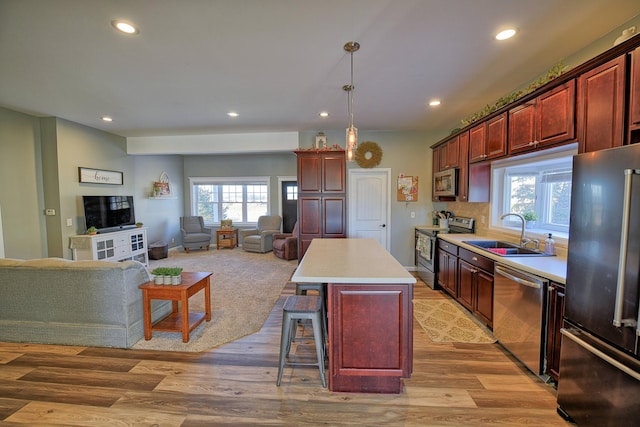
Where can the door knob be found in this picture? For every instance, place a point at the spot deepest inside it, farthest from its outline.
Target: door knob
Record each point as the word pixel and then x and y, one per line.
pixel 383 225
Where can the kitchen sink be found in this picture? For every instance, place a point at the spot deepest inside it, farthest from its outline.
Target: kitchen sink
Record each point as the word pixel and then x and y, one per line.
pixel 504 248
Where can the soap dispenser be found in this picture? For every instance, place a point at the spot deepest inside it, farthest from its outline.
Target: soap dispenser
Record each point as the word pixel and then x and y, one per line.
pixel 549 246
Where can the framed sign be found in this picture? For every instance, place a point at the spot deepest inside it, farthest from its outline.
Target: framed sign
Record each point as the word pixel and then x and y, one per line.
pixel 99 176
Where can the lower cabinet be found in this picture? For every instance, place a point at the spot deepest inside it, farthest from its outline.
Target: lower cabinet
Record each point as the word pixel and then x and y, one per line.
pixel 475 284
pixel 467 277
pixel 448 267
pixel 370 337
pixel 554 323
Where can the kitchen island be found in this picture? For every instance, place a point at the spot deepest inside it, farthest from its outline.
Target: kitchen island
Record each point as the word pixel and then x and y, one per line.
pixel 369 310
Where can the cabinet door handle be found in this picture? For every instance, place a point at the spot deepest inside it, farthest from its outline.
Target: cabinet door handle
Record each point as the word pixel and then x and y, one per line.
pixel 473 258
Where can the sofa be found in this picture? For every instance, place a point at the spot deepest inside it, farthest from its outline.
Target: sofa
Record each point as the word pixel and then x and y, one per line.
pixel 82 303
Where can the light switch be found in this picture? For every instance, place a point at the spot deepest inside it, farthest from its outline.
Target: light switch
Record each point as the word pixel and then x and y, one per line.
pixel 413 214
pixel 69 222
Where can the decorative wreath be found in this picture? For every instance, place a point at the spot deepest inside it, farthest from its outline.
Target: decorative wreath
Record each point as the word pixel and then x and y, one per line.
pixel 368 154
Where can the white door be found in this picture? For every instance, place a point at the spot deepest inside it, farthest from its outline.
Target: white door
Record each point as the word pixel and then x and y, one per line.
pixel 369 208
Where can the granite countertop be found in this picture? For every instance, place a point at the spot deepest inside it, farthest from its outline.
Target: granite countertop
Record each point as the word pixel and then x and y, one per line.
pixel 550 267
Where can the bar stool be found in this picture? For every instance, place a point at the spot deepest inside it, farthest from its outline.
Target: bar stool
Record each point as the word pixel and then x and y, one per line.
pixel 302 288
pixel 301 307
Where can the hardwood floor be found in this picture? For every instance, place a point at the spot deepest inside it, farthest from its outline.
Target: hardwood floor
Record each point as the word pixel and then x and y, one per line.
pixel 452 385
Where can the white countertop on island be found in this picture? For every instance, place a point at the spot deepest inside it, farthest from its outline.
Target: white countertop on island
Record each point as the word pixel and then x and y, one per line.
pixel 350 261
pixel 550 267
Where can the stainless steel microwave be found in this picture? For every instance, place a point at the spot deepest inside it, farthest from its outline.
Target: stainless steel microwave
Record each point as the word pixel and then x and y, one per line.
pixel 445 183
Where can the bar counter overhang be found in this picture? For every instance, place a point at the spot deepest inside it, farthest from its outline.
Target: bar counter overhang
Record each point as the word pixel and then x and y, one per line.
pixel 369 310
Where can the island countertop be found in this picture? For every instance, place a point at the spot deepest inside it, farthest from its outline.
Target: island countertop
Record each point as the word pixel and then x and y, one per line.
pixel 350 261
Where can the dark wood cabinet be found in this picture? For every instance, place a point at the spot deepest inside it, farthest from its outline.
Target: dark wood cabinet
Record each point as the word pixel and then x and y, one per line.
pixel 466 277
pixel 449 154
pixel 448 267
pixel 554 338
pixel 371 342
pixel 463 167
pixel 488 140
pixel 321 196
pixel 634 98
pixel 601 100
pixel 475 284
pixel 543 121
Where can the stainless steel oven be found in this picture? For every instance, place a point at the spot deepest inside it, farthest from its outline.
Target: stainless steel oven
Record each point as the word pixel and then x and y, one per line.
pixel 426 257
pixel 425 244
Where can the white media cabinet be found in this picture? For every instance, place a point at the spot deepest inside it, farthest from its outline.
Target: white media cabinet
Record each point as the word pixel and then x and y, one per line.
pixel 125 245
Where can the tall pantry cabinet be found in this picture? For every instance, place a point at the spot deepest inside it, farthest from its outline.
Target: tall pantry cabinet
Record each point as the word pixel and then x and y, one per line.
pixel 322 194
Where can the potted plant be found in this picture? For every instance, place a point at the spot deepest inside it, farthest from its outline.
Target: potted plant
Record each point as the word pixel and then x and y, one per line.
pixel 139 224
pixel 92 230
pixel 175 274
pixel 530 219
pixel 159 274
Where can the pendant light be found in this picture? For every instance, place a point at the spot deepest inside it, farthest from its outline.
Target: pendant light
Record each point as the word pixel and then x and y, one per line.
pixel 352 131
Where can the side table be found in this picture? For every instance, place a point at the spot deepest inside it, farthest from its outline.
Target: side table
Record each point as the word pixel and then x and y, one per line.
pixel 226 238
pixel 177 320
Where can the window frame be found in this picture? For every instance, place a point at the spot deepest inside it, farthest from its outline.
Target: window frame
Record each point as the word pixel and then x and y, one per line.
pixel 244 181
pixel 526 164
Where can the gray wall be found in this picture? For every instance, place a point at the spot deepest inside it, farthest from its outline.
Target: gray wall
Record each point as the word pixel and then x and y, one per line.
pixel 21 193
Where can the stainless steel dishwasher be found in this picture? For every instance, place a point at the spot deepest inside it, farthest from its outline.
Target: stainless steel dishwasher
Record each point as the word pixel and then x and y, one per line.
pixel 519 316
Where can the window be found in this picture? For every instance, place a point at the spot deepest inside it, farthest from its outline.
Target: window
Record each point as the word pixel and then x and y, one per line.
pixel 537 187
pixel 292 192
pixel 242 199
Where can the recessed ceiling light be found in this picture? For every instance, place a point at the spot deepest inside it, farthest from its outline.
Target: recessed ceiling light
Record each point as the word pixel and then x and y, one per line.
pixel 324 114
pixel 232 114
pixel 125 27
pixel 106 119
pixel 506 34
pixel 434 103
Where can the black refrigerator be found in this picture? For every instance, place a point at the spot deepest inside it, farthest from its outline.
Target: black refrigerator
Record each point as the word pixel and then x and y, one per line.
pixel 599 381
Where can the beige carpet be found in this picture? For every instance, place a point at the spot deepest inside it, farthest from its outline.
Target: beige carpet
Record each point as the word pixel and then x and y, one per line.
pixel 244 288
pixel 444 321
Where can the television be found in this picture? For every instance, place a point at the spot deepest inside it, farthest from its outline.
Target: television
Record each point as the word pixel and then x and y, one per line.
pixel 108 212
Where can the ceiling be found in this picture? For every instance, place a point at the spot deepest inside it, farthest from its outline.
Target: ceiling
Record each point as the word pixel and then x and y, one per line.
pixel 278 63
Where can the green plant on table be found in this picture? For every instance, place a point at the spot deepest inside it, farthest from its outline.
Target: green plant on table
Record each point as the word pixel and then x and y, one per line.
pixel 92 230
pixel 530 216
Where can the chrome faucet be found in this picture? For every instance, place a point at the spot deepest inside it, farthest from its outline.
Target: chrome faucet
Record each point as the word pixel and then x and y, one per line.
pixel 524 241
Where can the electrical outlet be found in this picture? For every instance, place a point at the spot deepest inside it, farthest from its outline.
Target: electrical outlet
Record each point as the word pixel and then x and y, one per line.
pixel 482 219
pixel 50 212
pixel 69 222
pixel 173 240
pixel 413 214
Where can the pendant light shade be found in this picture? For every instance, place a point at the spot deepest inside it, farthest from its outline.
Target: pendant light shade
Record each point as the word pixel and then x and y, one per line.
pixel 352 131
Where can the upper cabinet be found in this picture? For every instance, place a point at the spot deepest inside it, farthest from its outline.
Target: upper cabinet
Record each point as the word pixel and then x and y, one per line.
pixel 488 140
pixel 546 120
pixel 601 106
pixel 323 172
pixel 634 98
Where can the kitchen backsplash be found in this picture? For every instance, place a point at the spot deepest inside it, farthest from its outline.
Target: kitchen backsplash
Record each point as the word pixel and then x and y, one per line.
pixel 472 210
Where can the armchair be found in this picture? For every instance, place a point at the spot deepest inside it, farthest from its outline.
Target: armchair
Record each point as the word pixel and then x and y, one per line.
pixel 194 234
pixel 285 245
pixel 259 239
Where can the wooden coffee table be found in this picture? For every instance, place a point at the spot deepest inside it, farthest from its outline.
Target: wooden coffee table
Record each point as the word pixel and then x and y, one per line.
pixel 177 321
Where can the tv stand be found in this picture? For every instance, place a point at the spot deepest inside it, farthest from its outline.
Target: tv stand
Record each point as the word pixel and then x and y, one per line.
pixel 115 246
